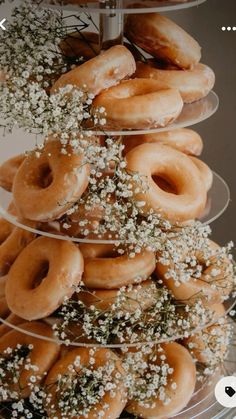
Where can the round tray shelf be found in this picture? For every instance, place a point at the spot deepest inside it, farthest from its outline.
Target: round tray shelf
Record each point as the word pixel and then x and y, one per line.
pixel 228 304
pixel 191 114
pixel 218 200
pixel 122 6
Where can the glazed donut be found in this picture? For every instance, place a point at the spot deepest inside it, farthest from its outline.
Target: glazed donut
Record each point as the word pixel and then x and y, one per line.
pixel 68 179
pixel 210 344
pixel 205 172
pixel 12 241
pixel 80 44
pixel 8 171
pixel 182 139
pixel 163 39
pixel 214 285
pixel 193 84
pixel 34 290
pixel 43 355
pixel 183 376
pixel 103 269
pixel 133 297
pixel 139 104
pixel 101 72
pixel 111 404
pixel 177 169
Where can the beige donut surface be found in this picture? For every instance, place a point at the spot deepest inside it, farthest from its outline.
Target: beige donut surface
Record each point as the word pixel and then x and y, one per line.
pixel 111 405
pixel 43 355
pixel 8 171
pixel 45 187
pixel 101 72
pixel 103 269
pixel 182 139
pixel 179 171
pixel 46 271
pixel 163 39
pixel 193 84
pixel 184 376
pixel 139 104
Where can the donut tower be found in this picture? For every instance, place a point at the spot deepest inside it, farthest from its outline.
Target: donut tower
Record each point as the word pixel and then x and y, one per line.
pixel 114 299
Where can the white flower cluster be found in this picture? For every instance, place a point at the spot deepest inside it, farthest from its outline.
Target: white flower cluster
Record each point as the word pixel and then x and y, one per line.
pixel 12 362
pixel 163 319
pixel 147 375
pixel 30 62
pixel 79 390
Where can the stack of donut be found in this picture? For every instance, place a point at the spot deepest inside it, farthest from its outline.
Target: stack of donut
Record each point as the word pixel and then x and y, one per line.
pixel 46 187
pixel 48 270
pixel 37 274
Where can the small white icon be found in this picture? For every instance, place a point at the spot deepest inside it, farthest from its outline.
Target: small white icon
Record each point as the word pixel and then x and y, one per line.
pixel 225 391
pixel 2 24
pixel 228 28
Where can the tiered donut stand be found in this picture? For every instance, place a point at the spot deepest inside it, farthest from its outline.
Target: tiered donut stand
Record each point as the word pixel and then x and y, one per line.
pixel 63 343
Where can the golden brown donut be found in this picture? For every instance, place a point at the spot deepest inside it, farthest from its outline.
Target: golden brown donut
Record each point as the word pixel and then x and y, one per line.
pixel 68 179
pixel 12 241
pixel 193 84
pixel 139 104
pixel 205 171
pixel 104 269
pixel 102 357
pixel 215 283
pixel 182 139
pixel 184 376
pixel 137 296
pixel 163 39
pixel 8 171
pixel 189 199
pixel 101 72
pixel 43 355
pixel 46 271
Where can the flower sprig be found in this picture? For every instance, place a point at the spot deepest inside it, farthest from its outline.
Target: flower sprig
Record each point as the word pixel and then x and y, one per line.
pixel 163 319
pixel 30 62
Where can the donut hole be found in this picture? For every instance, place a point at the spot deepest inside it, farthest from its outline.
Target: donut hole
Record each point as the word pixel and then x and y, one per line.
pixel 43 176
pixel 109 254
pixel 40 275
pixel 165 184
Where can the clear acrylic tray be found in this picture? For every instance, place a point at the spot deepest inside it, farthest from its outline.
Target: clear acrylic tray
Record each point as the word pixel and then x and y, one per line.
pixel 218 200
pixel 122 6
pixel 228 304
